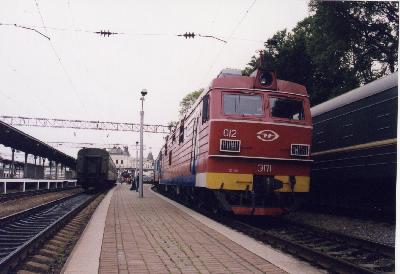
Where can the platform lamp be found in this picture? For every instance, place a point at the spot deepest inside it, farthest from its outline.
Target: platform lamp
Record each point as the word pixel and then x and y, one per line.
pixel 143 93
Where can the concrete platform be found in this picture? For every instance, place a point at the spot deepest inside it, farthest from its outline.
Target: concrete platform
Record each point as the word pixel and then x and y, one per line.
pixel 155 235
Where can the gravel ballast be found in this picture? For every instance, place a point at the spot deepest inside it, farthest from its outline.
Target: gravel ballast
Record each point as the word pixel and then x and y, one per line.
pixel 366 229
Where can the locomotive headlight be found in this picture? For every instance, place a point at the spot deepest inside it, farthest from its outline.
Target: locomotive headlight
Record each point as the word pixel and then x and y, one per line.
pixel 229 145
pixel 300 150
pixel 266 78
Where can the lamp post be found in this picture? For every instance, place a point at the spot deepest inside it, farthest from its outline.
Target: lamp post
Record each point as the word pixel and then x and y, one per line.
pixel 143 92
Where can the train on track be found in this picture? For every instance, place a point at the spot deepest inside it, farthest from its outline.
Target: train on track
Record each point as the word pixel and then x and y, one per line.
pixel 354 148
pixel 95 169
pixel 244 147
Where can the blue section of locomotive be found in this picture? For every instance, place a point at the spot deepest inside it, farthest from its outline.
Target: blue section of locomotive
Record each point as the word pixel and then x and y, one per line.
pixel 355 148
pixel 95 169
pixel 180 181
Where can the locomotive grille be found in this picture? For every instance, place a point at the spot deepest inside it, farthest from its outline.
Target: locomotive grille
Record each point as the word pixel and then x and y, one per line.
pixel 300 150
pixel 229 145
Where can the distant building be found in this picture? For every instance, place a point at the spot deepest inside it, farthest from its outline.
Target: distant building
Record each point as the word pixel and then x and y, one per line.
pixel 122 159
pixel 150 156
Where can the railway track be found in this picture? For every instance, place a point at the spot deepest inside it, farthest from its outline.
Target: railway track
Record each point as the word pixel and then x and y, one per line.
pixel 338 253
pixel 22 232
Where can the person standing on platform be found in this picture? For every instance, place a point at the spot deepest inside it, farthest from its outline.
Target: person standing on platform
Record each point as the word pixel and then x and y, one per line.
pixel 133 181
pixel 137 182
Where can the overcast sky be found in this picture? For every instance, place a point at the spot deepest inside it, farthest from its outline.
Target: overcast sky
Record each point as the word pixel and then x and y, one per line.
pixel 81 75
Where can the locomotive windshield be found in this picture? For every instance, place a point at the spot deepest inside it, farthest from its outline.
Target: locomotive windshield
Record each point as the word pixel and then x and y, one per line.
pixel 242 104
pixel 286 108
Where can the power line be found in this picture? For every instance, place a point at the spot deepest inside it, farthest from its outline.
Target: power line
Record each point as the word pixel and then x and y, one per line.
pixel 192 35
pixel 110 33
pixel 81 124
pixel 106 33
pixel 231 35
pixel 82 61
pixel 28 28
pixel 242 19
pixel 59 59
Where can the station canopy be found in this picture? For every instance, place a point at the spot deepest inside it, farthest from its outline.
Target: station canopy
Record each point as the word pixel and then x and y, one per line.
pixel 14 138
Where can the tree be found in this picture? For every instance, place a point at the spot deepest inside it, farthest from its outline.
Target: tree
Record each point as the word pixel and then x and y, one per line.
pixel 364 33
pixel 340 46
pixel 188 101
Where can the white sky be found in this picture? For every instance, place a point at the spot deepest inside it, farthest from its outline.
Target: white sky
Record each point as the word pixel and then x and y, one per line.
pixel 101 77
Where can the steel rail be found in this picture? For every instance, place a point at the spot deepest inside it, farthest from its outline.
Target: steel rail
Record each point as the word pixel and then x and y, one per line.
pixel 316 254
pixel 22 232
pixel 372 246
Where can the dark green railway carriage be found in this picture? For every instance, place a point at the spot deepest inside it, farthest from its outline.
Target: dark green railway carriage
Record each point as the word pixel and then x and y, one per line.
pixel 95 169
pixel 355 148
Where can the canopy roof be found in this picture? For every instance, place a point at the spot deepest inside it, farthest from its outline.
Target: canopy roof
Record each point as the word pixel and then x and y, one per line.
pixel 14 138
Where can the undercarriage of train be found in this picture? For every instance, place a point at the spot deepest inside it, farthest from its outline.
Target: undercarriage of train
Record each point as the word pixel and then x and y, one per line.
pixel 263 199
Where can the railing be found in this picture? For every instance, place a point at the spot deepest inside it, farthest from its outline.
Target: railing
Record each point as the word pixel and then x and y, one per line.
pixel 25 185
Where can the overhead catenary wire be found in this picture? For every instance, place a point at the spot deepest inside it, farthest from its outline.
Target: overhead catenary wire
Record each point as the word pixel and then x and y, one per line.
pixel 230 37
pixel 59 60
pixel 105 33
pixel 82 61
pixel 28 28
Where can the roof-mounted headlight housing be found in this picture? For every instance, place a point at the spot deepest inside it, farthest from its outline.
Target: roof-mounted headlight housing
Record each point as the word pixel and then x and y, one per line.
pixel 265 79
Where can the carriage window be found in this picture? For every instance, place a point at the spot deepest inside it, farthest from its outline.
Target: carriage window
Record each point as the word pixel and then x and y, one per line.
pixel 242 104
pixel 286 108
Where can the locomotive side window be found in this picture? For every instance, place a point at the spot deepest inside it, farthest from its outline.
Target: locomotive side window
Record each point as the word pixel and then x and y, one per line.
pixel 242 104
pixel 181 132
pixel 205 113
pixel 286 108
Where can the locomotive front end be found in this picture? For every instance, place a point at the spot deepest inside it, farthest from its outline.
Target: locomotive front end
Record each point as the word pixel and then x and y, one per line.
pixel 259 144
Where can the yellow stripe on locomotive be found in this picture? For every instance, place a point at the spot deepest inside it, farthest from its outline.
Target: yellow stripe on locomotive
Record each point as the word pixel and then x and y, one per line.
pixel 233 181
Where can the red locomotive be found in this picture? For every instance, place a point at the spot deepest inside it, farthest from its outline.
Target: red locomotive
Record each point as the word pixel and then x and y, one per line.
pixel 244 147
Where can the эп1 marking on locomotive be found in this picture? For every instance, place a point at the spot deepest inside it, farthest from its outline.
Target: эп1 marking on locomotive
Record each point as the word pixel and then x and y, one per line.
pixel 263 168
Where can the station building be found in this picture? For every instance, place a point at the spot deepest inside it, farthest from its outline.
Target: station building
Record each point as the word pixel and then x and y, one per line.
pixel 122 159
